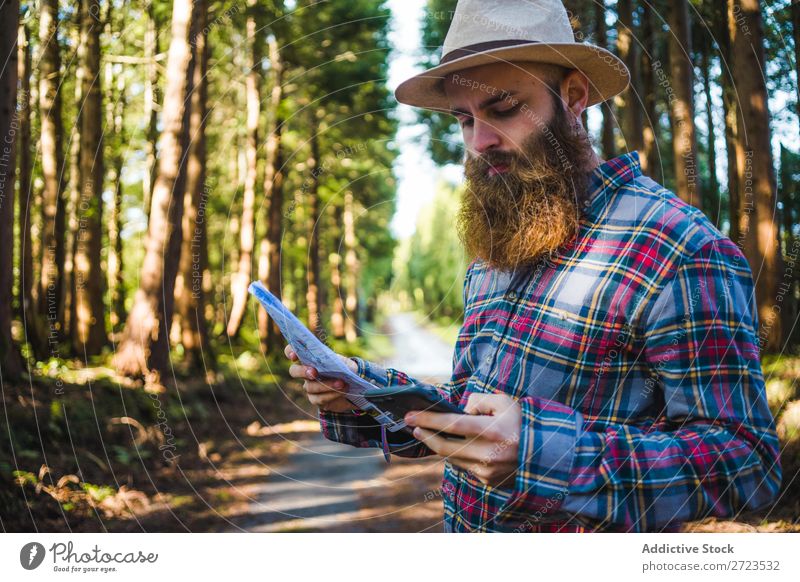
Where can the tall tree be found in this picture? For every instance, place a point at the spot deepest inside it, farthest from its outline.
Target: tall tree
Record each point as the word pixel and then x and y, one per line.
pixel 243 275
pixel 115 140
pixel 684 142
pixel 796 36
pixel 145 343
pixel 607 130
pixel 756 178
pixel 190 292
pixel 719 20
pixel 27 309
pixel 314 284
pixel 9 19
pixel 51 293
pixel 652 159
pixel 351 262
pixel 628 50
pixel 269 271
pixel 150 101
pixel 712 197
pixel 87 324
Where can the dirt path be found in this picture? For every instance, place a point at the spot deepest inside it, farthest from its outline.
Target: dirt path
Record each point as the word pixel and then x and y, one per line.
pixel 326 486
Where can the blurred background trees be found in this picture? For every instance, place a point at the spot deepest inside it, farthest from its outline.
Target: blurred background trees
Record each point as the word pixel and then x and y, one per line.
pixel 156 156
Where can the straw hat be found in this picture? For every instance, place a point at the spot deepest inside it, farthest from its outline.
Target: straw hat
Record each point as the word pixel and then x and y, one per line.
pixel 495 31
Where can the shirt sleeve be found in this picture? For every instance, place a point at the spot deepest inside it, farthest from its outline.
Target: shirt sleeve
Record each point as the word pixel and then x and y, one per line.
pixel 362 430
pixel 713 451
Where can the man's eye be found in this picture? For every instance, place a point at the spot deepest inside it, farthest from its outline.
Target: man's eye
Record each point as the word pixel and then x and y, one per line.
pixel 464 121
pixel 506 112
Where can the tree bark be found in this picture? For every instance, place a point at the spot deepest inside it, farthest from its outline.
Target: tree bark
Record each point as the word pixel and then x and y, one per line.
pixel 144 347
pixel 88 329
pixel 712 197
pixel 313 293
pixel 10 365
pixel 27 307
pixel 51 293
pixel 730 108
pixel 190 290
pixel 628 51
pixel 651 160
pixel 240 280
pixel 756 179
pixel 115 110
pixel 796 34
pixel 607 131
pixel 150 103
pixel 684 142
pixel 269 271
pixel 351 324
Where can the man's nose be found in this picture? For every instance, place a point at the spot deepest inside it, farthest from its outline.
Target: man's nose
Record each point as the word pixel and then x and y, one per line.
pixel 484 137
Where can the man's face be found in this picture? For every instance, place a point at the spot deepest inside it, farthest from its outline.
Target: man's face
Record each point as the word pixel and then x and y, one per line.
pixel 500 105
pixel 527 163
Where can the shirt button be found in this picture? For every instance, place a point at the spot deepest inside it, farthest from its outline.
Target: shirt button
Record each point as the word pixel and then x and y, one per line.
pixel 512 295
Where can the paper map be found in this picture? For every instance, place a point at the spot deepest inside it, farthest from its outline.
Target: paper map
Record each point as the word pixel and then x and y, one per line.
pixel 312 352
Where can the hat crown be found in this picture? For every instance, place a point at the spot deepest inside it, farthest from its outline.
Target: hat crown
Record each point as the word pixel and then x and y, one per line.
pixel 479 21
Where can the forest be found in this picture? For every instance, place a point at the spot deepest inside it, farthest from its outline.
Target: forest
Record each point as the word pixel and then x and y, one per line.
pixel 157 156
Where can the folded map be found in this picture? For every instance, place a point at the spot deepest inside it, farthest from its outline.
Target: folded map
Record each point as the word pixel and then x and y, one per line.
pixel 312 352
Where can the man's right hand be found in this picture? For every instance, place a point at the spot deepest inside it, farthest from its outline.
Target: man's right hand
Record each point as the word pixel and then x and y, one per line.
pixel 328 396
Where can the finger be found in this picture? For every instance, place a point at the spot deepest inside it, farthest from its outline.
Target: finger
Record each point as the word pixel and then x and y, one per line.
pixel 320 388
pixel 472 450
pixel 290 353
pixel 332 383
pixel 301 371
pixel 462 424
pixel 479 403
pixel 325 398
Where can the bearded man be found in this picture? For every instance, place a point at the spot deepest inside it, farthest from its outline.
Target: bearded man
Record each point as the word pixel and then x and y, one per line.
pixel 608 361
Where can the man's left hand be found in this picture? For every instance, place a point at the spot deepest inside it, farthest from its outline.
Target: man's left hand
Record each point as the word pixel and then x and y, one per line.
pixel 491 428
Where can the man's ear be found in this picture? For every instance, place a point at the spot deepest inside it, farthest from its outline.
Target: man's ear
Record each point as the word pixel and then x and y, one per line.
pixel 575 92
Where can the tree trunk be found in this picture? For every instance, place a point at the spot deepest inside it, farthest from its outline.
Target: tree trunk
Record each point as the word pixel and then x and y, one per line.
pixel 628 51
pixel 150 103
pixel 730 108
pixel 51 293
pixel 756 180
pixel 651 160
pixel 351 325
pixel 607 131
pixel 88 327
pixel 796 34
pixel 269 270
pixel 145 343
pixel 190 294
pixel 27 311
pixel 337 305
pixel 74 183
pixel 241 279
pixel 313 294
pixel 10 365
pixel 684 143
pixel 115 110
pixel 712 197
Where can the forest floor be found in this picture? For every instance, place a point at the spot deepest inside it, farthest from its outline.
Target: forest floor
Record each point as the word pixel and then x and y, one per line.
pixel 86 450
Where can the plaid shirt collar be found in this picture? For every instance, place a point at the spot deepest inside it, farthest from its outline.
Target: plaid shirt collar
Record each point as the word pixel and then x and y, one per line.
pixel 609 176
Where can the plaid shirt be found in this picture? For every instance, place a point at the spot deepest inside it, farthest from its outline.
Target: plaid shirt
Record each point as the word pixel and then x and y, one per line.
pixel 634 355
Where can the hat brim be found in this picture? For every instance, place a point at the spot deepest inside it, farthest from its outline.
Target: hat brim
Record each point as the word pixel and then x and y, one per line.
pixel 607 74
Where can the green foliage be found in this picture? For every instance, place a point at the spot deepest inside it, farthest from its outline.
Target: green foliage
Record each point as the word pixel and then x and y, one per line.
pixel 431 265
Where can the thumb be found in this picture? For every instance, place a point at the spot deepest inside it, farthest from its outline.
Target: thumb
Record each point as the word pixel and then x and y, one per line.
pixel 486 403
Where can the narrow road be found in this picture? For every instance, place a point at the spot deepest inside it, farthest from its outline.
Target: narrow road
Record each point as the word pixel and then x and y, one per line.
pixel 326 486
